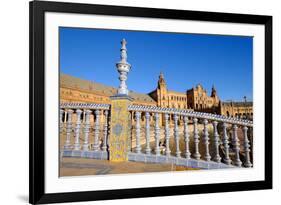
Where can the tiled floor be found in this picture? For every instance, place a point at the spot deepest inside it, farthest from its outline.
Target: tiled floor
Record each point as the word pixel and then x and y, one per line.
pixel 79 167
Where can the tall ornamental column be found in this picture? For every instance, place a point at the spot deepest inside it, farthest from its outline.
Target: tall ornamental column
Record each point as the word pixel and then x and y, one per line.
pixel 147 132
pixel 186 137
pixel 67 144
pixel 120 117
pixel 77 130
pixel 97 131
pixel 167 135
pixel 123 67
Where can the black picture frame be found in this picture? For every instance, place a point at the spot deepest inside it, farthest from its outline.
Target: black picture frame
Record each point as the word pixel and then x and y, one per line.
pixel 37 11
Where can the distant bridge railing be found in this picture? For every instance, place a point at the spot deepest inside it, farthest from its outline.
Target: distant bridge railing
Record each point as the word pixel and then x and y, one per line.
pixel 158 135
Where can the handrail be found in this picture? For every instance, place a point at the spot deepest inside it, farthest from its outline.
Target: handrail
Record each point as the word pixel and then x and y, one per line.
pixel 190 113
pixel 85 106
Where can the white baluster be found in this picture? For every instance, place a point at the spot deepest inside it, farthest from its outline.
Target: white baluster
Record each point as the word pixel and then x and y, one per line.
pixel 86 130
pixel 138 147
pixel 196 155
pixel 77 130
pixel 226 158
pixel 206 140
pixel 61 122
pixel 157 134
pixel 105 129
pixel 176 134
pixel 67 144
pixel 247 162
pixel 186 137
pixel 167 135
pixel 65 116
pixel 236 145
pixel 217 157
pixel 96 130
pixel 147 132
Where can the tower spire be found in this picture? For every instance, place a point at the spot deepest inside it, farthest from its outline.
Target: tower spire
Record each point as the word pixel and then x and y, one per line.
pixel 214 91
pixel 161 81
pixel 161 75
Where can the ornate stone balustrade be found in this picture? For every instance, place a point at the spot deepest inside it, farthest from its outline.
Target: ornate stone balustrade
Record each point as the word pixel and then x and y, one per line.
pixel 162 135
pixel 205 138
pixel 193 114
pixel 84 129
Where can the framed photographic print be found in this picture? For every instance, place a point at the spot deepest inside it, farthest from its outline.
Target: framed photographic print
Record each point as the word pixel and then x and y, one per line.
pixel 130 102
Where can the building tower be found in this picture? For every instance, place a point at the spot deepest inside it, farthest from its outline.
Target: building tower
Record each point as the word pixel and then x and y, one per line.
pixel 162 93
pixel 215 96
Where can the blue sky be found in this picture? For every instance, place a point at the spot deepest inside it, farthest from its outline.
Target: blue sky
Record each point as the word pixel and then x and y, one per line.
pixel 185 60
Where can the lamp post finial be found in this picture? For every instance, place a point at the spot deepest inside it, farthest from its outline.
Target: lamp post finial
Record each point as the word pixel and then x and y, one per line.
pixel 123 67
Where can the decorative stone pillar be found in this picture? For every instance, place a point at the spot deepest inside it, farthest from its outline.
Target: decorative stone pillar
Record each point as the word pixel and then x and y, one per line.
pixel 77 130
pixel 147 132
pixel 105 129
pixel 138 146
pixel 123 67
pixel 97 131
pixel 86 130
pixel 167 135
pixel 176 134
pixel 119 128
pixel 247 162
pixel 206 140
pixel 236 145
pixel 217 157
pixel 67 144
pixel 157 134
pixel 186 137
pixel 226 158
pixel 196 154
pixel 120 123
